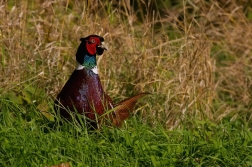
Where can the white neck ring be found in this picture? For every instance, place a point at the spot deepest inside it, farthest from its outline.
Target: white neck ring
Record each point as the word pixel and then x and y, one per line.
pixel 80 67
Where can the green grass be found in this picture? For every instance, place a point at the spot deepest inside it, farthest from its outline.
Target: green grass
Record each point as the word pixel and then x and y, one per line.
pixel 39 142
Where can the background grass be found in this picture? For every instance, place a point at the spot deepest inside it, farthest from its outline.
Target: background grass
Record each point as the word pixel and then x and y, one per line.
pixel 193 56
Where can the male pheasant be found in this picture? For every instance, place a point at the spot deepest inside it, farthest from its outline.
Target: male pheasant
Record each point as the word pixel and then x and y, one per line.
pixel 83 91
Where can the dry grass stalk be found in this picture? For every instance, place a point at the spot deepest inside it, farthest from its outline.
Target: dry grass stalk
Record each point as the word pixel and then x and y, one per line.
pixel 197 65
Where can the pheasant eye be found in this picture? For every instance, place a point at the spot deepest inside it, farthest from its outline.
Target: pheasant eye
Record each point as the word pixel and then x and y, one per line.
pixel 92 41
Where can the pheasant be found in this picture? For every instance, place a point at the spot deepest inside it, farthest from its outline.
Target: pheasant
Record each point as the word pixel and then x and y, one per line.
pixel 83 92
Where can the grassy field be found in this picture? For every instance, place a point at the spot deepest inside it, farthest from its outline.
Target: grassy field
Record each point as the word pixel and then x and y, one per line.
pixel 194 57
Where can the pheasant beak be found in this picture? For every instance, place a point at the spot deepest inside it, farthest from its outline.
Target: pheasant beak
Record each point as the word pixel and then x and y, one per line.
pixel 103 46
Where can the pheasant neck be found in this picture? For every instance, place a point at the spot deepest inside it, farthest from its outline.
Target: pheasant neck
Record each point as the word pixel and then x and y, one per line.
pixel 89 63
pixel 80 67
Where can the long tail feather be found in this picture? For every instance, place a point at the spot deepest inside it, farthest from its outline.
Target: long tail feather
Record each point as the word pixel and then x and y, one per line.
pixel 124 109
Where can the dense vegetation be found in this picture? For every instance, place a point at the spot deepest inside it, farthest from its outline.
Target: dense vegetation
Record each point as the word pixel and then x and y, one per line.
pixel 193 56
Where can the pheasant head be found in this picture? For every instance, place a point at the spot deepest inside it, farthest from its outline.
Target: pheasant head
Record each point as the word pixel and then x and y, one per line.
pixel 86 54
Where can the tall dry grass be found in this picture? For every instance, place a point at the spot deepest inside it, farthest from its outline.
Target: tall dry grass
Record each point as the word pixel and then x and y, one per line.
pixel 194 57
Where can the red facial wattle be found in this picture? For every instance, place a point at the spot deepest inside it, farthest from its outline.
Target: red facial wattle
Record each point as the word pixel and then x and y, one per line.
pixel 92 44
